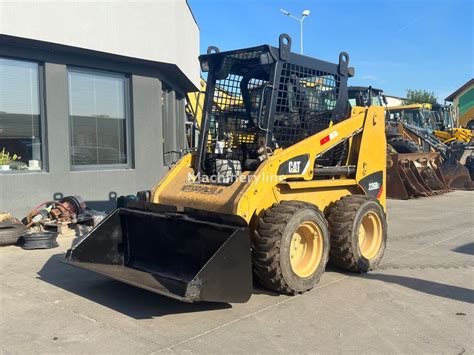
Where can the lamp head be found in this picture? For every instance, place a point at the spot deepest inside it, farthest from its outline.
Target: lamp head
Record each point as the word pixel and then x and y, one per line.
pixel 285 12
pixel 306 13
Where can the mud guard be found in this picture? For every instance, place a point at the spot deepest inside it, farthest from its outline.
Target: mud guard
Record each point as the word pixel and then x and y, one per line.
pixel 180 255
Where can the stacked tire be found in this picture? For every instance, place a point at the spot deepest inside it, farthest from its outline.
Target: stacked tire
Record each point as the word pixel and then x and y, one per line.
pixel 10 231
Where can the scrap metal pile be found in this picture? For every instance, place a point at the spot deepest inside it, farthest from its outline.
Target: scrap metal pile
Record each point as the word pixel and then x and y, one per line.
pixel 68 216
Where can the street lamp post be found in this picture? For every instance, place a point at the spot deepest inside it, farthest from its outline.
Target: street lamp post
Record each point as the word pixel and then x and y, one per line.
pixel 304 14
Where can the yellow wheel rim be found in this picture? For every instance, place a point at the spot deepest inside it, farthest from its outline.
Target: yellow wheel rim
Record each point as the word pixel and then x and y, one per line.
pixel 306 249
pixel 370 235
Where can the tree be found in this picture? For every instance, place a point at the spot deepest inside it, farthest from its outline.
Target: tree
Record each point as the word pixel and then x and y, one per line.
pixel 420 97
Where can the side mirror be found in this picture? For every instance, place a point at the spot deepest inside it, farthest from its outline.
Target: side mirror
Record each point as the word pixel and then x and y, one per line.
pixel 385 101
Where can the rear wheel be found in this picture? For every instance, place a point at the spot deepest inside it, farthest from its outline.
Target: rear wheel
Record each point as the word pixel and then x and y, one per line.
pixel 403 145
pixel 290 247
pixel 358 233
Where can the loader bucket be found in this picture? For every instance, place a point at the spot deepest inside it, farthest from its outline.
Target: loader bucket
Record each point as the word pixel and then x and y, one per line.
pixel 414 175
pixel 456 166
pixel 457 175
pixel 183 256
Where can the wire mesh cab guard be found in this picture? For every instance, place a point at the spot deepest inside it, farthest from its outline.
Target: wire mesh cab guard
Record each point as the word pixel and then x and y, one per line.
pixel 265 97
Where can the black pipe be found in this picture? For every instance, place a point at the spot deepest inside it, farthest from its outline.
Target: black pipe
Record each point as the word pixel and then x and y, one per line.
pixel 335 170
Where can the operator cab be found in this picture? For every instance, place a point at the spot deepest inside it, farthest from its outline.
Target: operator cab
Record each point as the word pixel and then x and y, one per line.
pixel 365 96
pixel 416 115
pixel 264 98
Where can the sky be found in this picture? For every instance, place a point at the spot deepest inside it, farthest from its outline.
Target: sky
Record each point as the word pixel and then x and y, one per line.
pixel 393 45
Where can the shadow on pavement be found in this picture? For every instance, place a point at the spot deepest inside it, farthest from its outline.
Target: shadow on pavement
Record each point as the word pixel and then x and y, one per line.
pixel 129 300
pixel 430 287
pixel 465 249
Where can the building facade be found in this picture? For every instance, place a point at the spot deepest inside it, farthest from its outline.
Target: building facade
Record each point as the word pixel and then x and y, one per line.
pixel 463 103
pixel 92 98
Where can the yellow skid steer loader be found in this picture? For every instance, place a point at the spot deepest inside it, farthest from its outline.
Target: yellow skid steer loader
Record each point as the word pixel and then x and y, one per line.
pixel 285 176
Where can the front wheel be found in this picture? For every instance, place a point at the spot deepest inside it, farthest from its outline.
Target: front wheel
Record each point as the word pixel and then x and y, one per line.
pixel 290 247
pixel 358 229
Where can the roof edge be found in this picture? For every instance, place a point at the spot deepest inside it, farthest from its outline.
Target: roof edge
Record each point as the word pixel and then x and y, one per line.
pixel 192 14
pixel 455 93
pixel 186 84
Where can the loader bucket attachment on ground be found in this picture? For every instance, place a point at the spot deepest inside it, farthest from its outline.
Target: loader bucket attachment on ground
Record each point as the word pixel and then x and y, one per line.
pixel 457 175
pixel 178 255
pixel 413 175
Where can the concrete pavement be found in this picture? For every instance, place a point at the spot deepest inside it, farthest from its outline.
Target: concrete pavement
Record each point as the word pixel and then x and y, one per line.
pixel 420 300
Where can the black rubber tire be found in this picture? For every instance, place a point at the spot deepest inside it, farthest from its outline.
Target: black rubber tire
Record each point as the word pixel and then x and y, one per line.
pixel 41 240
pixel 344 220
pixel 10 232
pixel 403 145
pixel 470 166
pixel 457 150
pixel 271 243
pixel 458 145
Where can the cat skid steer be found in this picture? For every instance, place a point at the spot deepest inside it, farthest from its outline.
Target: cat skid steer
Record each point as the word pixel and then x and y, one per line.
pixel 285 176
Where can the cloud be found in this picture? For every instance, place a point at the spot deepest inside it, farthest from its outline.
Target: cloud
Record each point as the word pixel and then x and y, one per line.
pixel 413 21
pixel 373 78
pixel 382 63
pixel 369 77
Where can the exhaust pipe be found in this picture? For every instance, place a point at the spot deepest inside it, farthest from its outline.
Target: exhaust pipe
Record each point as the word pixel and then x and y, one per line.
pixel 185 256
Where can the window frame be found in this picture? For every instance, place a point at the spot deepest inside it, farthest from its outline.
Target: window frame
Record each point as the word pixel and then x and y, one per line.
pixel 128 119
pixel 42 118
pixel 173 125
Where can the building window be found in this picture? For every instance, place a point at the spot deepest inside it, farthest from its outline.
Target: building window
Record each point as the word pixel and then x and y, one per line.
pixel 98 111
pixel 173 124
pixel 20 116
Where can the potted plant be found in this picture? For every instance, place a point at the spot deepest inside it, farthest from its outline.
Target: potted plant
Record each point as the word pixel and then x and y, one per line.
pixel 6 159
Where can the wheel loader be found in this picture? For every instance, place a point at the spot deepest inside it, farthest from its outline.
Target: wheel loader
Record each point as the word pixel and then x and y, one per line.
pixel 435 119
pixel 366 96
pixel 414 131
pixel 285 177
pixel 410 171
pixel 445 127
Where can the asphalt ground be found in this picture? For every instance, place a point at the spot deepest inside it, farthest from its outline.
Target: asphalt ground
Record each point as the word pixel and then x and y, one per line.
pixel 420 300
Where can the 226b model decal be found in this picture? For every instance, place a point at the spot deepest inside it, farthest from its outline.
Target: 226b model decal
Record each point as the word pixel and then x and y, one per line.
pixel 373 184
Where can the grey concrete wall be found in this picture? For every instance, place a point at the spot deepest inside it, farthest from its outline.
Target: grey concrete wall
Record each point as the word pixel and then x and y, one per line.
pixel 19 192
pixel 158 30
